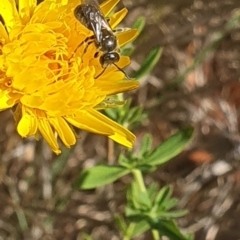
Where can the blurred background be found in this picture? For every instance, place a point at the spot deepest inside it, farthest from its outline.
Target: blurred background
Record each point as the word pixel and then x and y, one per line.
pixel 196 82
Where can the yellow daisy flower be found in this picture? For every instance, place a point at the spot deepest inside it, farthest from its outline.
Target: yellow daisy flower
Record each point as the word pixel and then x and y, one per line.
pixel 48 80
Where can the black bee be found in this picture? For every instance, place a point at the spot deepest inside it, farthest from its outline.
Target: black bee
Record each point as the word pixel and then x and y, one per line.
pixel 91 16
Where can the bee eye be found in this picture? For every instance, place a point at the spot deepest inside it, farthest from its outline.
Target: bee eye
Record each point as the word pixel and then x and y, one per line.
pixel 109 58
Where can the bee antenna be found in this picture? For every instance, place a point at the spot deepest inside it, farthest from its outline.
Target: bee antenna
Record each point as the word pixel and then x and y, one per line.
pixel 116 67
pixel 121 70
pixel 100 73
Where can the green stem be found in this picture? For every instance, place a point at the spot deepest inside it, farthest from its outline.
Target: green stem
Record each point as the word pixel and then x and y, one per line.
pixel 155 235
pixel 139 179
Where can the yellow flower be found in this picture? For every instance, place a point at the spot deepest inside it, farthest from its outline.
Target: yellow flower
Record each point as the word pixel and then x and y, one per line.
pixel 49 81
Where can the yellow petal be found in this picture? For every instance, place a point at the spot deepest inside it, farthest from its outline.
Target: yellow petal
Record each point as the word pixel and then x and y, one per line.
pixel 9 13
pixel 126 37
pixel 62 2
pixel 63 130
pixel 120 134
pixel 26 8
pixel 84 120
pixel 27 125
pixel 48 134
pixel 117 17
pixel 113 87
pixel 3 33
pixel 5 100
pixel 101 124
pixel 108 6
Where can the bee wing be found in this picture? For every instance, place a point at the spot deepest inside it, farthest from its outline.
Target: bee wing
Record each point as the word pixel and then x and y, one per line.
pixel 99 15
pixel 91 2
pixel 96 24
pixel 106 25
pixel 93 19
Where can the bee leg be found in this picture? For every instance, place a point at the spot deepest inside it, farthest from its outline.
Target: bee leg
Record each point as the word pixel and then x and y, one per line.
pixel 88 41
pixel 119 30
pixel 121 70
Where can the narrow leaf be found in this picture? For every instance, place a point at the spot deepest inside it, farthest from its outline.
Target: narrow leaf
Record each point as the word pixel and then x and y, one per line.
pixel 60 163
pixel 100 175
pixel 170 148
pixel 122 225
pixel 174 214
pixel 146 145
pixel 139 24
pixel 136 115
pixel 170 203
pixel 149 63
pixel 162 195
pixel 139 228
pixel 169 229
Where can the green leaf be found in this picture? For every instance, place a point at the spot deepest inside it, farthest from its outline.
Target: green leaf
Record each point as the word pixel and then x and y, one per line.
pixel 135 115
pixel 168 229
pixel 112 113
pixel 170 203
pixel 173 214
pixel 163 194
pixel 133 214
pixel 145 145
pixel 149 63
pixel 122 225
pixel 152 190
pixel 86 236
pixel 139 228
pixel 126 115
pixel 60 162
pixel 139 24
pixel 131 229
pixel 127 50
pixel 124 161
pixel 100 175
pixel 170 148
